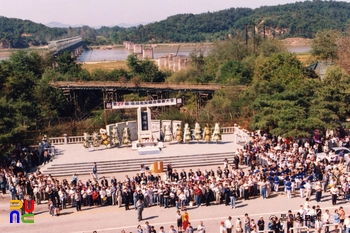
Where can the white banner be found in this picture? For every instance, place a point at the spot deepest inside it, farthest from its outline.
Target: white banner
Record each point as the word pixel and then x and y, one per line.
pixel 146 103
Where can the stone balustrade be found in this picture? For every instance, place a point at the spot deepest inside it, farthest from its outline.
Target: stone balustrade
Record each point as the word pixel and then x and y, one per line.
pixel 80 139
pixel 241 135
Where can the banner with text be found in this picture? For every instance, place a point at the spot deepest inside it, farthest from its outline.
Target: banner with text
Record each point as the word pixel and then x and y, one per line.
pixel 146 103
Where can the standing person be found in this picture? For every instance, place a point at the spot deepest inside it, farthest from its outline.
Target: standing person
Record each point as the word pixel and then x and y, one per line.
pixel 318 189
pixel 239 228
pixel 336 220
pixel 172 229
pixel 342 218
pixel 179 221
pixel 147 228
pixel 222 228
pixel 77 198
pixel 201 228
pixel 198 193
pixel 347 224
pixel 298 220
pixel 308 188
pixel 326 220
pixel 253 227
pixel 261 224
pixel 139 229
pixel 169 171
pixel 246 224
pixel 139 207
pixel 233 197
pixel 334 193
pixel 153 230
pixel 290 221
pixel 318 224
pixel 185 220
pixel 228 225
pixel 189 228
pixel 94 171
pixel 126 196
pixel 161 229
pixel 281 226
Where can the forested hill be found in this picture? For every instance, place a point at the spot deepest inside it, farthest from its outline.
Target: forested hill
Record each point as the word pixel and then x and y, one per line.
pixel 18 33
pixel 300 19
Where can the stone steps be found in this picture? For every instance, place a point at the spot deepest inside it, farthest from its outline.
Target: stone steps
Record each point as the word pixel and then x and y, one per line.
pixel 129 165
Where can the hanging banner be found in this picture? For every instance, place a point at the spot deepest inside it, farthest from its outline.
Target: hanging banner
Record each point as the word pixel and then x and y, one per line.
pixel 146 103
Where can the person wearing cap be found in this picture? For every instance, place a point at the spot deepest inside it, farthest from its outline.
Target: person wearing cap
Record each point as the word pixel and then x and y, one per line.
pixel 222 227
pixel 261 224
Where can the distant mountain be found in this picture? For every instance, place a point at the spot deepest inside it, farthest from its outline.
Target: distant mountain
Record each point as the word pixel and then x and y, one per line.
pixel 62 25
pixel 300 19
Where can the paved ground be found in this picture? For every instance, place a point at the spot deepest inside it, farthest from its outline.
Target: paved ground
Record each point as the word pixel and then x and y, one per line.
pixel 114 219
pixel 77 153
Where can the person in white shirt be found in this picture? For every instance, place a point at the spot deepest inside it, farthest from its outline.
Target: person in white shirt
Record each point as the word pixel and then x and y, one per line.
pixel 347 224
pixel 228 225
pixel 318 224
pixel 222 228
pixel 326 219
pixel 201 228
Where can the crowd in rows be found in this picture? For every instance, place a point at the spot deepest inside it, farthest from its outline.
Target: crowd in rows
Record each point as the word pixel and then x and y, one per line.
pixel 307 217
pixel 274 165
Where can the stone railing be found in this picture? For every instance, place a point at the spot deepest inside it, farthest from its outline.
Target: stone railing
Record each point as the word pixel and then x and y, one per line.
pixel 228 130
pixel 241 135
pixel 80 139
pixel 67 140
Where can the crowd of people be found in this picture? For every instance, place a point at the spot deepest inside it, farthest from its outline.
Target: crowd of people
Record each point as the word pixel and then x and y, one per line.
pixel 271 164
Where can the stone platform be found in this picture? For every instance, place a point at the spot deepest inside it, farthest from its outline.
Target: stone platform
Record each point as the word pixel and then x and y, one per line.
pixel 76 158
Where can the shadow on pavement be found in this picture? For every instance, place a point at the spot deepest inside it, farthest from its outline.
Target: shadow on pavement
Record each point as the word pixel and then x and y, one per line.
pixel 151 217
pixel 240 206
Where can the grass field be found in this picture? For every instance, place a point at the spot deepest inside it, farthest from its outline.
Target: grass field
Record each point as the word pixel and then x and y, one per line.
pixel 305 58
pixel 90 66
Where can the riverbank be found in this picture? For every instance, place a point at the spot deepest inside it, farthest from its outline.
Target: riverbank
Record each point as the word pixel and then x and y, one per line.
pixel 104 65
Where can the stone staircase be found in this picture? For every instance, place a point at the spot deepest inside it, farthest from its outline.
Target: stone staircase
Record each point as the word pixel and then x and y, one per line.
pixel 131 165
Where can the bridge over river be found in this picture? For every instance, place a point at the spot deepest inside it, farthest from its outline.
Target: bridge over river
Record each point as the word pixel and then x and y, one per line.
pixel 73 44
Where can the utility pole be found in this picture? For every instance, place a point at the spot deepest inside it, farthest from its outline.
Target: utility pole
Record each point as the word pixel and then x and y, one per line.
pixel 254 38
pixel 246 36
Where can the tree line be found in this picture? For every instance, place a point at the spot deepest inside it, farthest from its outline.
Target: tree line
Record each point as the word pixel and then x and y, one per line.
pixel 300 19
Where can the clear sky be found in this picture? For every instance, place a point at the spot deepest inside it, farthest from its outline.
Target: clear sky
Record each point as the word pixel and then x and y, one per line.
pixel 113 12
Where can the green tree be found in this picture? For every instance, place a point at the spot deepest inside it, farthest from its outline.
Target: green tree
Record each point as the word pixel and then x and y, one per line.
pixel 145 69
pixel 324 45
pixel 67 64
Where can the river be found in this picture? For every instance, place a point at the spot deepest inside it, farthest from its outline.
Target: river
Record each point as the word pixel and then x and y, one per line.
pixel 121 54
pixel 98 55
